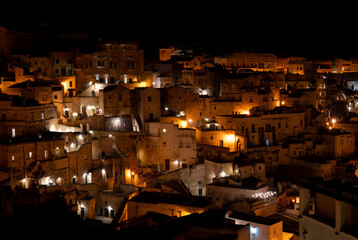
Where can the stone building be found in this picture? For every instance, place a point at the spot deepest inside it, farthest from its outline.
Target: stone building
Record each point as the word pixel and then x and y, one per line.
pixel 170 147
pixel 62 63
pixel 260 227
pixel 216 137
pixel 254 61
pixel 41 91
pixel 340 143
pixel 167 203
pixel 113 62
pixel 22 117
pixel 325 212
pixel 146 106
pixel 193 177
pixel 116 101
pixel 264 129
pixel 247 194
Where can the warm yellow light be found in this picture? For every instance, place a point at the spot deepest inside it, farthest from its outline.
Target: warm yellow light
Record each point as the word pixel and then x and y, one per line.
pixel 143 84
pixel 283 103
pixel 333 120
pixel 128 174
pixel 230 137
pixel 183 124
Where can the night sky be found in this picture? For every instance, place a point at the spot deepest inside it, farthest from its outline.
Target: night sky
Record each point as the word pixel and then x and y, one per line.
pixel 286 29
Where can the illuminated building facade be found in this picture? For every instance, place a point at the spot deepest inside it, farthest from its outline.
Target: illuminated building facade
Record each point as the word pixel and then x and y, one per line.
pixel 114 62
pixel 170 147
pixel 254 61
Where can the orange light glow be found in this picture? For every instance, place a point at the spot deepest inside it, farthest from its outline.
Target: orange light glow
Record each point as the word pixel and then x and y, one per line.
pixel 230 137
pixel 183 124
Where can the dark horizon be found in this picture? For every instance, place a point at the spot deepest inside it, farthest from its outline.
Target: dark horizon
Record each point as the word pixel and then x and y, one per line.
pixel 305 31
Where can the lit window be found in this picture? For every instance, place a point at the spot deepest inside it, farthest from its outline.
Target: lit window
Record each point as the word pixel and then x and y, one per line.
pixel 30 154
pixel 164 130
pixel 13 133
pixel 13 158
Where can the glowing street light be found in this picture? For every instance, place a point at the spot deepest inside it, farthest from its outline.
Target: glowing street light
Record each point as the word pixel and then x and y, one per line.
pixel 333 122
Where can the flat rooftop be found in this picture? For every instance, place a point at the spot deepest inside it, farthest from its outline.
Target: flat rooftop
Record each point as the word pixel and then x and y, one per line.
pixel 253 218
pixel 171 198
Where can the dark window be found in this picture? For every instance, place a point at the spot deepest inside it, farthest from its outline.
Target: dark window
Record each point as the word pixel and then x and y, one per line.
pixel 200 192
pixel 82 211
pixel 106 212
pixel 149 99
pixel 130 64
pixel 167 164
